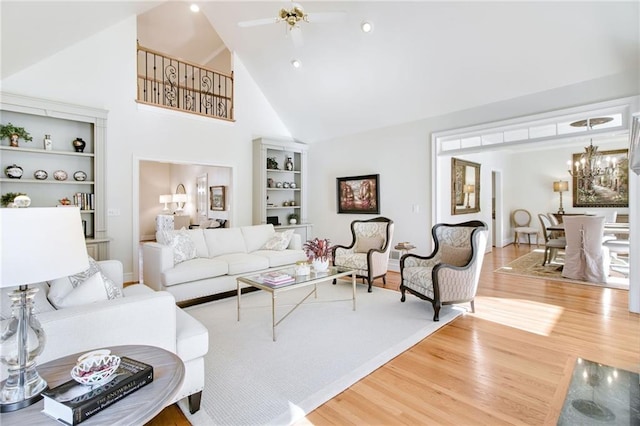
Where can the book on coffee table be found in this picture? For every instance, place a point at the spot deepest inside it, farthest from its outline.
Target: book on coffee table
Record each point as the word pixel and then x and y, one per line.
pixel 72 403
pixel 275 278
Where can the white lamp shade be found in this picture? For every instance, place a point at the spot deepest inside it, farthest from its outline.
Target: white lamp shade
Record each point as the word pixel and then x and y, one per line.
pixel 40 244
pixel 167 198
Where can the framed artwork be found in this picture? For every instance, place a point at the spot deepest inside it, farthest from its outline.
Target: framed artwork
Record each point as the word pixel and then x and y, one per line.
pixel 465 186
pixel 610 189
pixel 217 197
pixel 359 194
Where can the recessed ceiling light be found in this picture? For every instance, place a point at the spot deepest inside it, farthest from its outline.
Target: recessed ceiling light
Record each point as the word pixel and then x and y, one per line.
pixel 195 8
pixel 296 63
pixel 366 27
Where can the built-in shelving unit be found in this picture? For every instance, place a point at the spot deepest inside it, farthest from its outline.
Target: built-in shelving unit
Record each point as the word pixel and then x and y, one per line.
pixel 279 191
pixel 64 123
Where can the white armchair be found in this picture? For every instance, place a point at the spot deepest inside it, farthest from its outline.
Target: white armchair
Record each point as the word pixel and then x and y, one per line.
pixel 450 274
pixel 369 251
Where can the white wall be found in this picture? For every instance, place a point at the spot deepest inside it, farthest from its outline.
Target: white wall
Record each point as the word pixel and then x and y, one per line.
pixel 101 72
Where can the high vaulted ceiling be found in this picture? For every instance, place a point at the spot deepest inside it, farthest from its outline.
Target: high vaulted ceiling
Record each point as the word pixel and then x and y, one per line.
pixel 423 58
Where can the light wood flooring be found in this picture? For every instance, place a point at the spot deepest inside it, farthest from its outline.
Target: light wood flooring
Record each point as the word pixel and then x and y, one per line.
pixel 509 363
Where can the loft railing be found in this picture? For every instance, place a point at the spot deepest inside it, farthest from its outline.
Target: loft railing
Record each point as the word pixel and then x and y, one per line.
pixel 172 83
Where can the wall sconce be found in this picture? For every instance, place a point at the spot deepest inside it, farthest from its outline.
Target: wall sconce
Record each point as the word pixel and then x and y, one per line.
pixel 560 186
pixel 166 199
pixel 468 189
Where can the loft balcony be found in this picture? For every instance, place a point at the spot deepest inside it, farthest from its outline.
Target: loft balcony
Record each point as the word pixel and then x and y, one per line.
pixel 179 85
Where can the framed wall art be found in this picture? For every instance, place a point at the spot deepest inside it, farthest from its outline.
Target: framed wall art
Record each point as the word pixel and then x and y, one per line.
pixel 217 197
pixel 610 188
pixel 359 194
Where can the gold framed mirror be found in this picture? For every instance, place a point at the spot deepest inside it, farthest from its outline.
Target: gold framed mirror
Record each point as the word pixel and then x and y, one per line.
pixel 465 187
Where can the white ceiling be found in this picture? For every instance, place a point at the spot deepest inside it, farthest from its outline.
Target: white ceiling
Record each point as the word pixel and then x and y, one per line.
pixel 423 58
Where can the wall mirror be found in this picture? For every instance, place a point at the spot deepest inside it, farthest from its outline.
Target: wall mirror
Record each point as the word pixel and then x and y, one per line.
pixel 465 187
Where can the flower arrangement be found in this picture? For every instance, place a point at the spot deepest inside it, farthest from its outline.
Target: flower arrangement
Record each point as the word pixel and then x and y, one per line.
pixel 318 249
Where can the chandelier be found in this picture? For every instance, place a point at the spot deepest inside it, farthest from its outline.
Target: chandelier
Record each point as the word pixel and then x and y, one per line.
pixel 591 164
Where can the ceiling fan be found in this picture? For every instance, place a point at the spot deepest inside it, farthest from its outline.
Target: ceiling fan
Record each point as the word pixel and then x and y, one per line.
pixel 292 18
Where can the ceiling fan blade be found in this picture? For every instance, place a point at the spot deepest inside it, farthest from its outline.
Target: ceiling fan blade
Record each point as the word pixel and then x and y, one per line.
pixel 326 16
pixel 296 36
pixel 256 22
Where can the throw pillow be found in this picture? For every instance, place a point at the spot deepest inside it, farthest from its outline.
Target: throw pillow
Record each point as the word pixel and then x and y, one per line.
pixel 364 244
pixel 61 288
pixel 279 241
pixel 456 256
pixel 89 291
pixel 183 247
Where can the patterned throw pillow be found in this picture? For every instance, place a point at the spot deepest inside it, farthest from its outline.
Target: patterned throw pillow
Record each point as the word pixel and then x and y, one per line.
pixel 456 256
pixel 65 292
pixel 183 247
pixel 279 242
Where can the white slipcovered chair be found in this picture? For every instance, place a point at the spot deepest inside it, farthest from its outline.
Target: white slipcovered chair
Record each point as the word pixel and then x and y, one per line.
pixel 369 250
pixel 521 221
pixel 585 257
pixel 450 274
pixel 552 243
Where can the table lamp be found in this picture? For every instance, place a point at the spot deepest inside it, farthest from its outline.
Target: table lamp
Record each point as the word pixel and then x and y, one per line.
pixel 179 199
pixel 167 198
pixel 560 186
pixel 38 244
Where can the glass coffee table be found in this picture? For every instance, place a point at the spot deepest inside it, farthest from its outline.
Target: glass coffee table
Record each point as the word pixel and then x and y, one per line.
pixel 257 280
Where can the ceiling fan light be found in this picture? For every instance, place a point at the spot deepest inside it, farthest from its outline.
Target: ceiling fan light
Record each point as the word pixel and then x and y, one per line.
pixel 194 8
pixel 366 27
pixel 296 63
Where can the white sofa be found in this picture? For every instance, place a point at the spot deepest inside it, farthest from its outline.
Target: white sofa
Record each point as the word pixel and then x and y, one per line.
pixel 223 254
pixel 141 317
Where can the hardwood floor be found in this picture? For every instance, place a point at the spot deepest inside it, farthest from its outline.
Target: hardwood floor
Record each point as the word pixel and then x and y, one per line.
pixel 509 363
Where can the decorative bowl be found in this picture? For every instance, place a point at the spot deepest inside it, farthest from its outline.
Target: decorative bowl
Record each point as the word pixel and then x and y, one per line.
pixel 80 175
pixel 95 370
pixel 40 174
pixel 60 175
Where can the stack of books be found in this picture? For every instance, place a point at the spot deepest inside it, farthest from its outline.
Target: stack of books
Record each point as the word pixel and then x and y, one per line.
pixel 277 278
pixel 72 403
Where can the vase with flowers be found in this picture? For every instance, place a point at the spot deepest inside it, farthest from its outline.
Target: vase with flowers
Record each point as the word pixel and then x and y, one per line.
pixel 318 251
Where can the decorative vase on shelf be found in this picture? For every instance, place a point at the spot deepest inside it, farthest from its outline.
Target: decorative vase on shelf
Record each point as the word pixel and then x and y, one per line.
pixel 79 144
pixel 320 265
pixel 293 221
pixel 48 143
pixel 288 165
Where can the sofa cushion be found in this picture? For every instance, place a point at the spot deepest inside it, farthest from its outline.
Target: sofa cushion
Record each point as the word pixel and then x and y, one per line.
pixel 240 263
pixel 281 258
pixel 456 256
pixel 88 291
pixel 224 241
pixel 279 241
pixel 194 270
pixel 257 235
pixel 364 244
pixel 197 236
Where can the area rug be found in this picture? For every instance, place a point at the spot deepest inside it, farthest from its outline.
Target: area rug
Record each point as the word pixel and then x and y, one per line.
pixel 322 348
pixel 530 265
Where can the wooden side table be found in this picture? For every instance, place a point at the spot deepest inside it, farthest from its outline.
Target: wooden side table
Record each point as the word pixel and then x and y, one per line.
pixel 404 248
pixel 135 409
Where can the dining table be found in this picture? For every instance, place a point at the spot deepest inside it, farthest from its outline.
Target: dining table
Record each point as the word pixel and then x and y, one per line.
pixel 609 228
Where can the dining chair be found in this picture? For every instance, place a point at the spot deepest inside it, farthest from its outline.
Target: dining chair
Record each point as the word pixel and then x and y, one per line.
pixel 553 220
pixel 551 244
pixel 521 221
pixel 585 257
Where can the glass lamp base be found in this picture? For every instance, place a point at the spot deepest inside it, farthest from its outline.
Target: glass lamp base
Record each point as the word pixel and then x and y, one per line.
pixel 7 407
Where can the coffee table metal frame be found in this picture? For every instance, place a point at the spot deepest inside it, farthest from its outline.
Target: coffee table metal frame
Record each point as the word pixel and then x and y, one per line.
pixel 301 281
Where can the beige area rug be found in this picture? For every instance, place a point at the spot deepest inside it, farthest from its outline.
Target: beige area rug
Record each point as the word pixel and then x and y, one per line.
pixel 323 348
pixel 530 265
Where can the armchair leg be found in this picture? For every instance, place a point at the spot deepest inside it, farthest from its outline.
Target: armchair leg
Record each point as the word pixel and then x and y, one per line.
pixel 334 281
pixel 402 291
pixel 194 402
pixel 384 280
pixel 473 306
pixel 436 312
pixel 369 290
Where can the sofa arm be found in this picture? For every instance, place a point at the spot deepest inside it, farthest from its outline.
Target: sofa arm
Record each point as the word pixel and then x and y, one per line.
pixel 113 270
pixel 146 319
pixel 156 258
pixel 296 242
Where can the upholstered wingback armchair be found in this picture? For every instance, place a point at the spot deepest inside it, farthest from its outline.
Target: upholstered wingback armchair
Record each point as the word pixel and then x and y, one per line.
pixel 450 274
pixel 369 250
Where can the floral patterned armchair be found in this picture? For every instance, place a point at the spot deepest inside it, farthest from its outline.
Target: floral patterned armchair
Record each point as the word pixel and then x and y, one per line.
pixel 451 273
pixel 369 251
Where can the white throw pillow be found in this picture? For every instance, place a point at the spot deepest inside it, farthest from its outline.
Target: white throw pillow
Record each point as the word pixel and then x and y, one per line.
pixel 279 242
pixel 89 291
pixel 456 256
pixel 60 288
pixel 183 247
